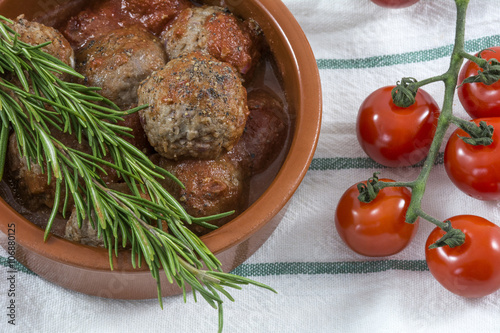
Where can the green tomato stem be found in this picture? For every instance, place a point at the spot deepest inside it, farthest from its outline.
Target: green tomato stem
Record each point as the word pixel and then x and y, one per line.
pixel 450 79
pixel 433 79
pixel 401 93
pixel 479 61
pixel 382 185
pixel 459 122
pixel 431 219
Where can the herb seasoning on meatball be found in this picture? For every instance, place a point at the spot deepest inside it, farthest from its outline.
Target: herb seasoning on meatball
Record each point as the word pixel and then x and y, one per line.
pixel 197 107
pixel 217 31
pixel 119 61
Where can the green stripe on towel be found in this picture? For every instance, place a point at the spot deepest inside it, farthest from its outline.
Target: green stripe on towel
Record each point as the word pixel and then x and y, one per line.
pixel 305 268
pixel 344 163
pixel 331 268
pixel 407 58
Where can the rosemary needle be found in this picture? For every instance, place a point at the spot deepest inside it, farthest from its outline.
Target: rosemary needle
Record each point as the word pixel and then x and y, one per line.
pixel 44 103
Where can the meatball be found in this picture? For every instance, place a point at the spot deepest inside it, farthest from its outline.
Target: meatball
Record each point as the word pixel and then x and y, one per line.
pixel 119 61
pixel 197 108
pixel 86 235
pixel 216 31
pixel 265 133
pixel 30 181
pixel 32 184
pixel 211 187
pixel 35 33
pixel 102 17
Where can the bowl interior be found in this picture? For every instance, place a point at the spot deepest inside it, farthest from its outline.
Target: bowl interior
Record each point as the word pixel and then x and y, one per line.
pixel 301 84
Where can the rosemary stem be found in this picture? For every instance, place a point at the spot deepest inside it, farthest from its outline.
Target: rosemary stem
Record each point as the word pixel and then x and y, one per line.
pixel 198 273
pixel 4 141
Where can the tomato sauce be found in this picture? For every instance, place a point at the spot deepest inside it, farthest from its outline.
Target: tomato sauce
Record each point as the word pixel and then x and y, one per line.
pixel 101 17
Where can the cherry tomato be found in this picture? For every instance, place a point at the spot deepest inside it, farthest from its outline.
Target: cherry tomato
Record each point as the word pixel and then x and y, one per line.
pixel 394 3
pixel 377 228
pixel 478 99
pixel 475 169
pixel 394 136
pixel 471 269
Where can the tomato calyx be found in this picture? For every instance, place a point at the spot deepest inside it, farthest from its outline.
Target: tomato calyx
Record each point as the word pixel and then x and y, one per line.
pixel 490 72
pixel 403 94
pixel 368 192
pixel 452 237
pixel 479 135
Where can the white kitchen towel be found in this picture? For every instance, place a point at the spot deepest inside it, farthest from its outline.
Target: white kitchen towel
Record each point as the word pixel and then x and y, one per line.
pixel 322 285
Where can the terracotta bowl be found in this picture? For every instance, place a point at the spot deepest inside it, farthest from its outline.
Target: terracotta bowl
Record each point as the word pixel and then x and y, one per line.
pixel 86 269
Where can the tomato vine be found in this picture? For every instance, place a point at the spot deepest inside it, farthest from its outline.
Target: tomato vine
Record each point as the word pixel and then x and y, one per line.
pixel 410 86
pixel 478 135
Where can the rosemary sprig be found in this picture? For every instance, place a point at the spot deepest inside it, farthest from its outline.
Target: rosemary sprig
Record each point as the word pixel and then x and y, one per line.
pixel 41 103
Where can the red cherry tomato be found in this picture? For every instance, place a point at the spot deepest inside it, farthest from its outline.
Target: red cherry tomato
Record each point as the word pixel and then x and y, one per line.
pixel 394 3
pixel 475 169
pixel 395 136
pixel 478 99
pixel 377 228
pixel 471 269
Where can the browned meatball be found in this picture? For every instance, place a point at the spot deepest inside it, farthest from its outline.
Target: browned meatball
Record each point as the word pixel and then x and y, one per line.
pixel 35 33
pixel 119 61
pixel 197 108
pixel 216 31
pixel 29 180
pixel 265 133
pixel 32 184
pixel 87 234
pixel 211 187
